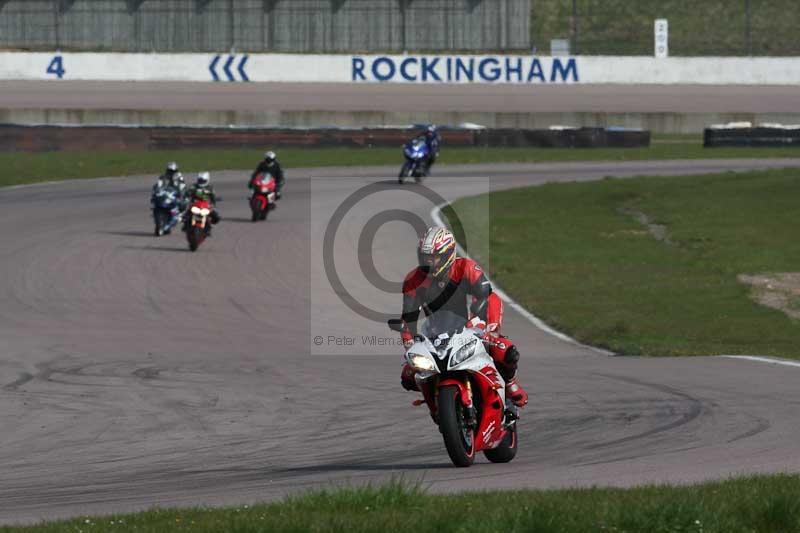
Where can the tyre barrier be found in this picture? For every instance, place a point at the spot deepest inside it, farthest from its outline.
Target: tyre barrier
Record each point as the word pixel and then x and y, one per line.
pixel 19 138
pixel 751 136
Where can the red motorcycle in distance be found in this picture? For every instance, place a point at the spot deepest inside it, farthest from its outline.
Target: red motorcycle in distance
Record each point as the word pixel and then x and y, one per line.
pixel 263 199
pixel 463 389
pixel 199 223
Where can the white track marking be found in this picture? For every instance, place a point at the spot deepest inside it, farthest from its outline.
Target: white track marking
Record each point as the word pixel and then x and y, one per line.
pixel 760 359
pixel 533 319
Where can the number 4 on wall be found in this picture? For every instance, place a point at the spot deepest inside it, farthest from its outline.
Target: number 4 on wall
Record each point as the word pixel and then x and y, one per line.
pixel 57 67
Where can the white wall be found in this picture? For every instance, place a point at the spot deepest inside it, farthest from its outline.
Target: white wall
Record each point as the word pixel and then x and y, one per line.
pixel 402 69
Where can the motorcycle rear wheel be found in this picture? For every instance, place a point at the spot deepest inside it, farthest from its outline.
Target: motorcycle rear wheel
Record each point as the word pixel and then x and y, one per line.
pixel 507 449
pixel 458 439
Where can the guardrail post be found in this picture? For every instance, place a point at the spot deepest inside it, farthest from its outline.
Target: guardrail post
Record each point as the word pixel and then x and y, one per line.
pixel 575 27
pixel 747 28
pixel 403 9
pixel 231 28
pixel 269 9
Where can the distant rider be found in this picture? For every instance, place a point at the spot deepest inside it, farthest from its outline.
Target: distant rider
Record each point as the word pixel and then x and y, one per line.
pixel 203 190
pixel 269 164
pixel 444 281
pixel 180 185
pixel 432 139
pixel 167 179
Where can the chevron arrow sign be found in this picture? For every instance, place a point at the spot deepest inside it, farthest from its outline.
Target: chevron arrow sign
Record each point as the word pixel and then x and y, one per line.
pixel 227 68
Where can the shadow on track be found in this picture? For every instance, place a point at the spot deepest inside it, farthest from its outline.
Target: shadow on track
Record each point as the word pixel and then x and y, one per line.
pixel 363 467
pixel 130 233
pixel 156 249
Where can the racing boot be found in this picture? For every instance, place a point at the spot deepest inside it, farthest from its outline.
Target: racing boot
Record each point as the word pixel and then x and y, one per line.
pixel 407 378
pixel 516 393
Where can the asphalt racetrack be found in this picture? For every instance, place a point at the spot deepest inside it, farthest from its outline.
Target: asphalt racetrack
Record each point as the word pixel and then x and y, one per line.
pixel 182 96
pixel 135 373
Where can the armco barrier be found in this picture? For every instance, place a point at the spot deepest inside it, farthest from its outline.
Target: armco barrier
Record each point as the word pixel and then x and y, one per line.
pixel 758 136
pixel 16 138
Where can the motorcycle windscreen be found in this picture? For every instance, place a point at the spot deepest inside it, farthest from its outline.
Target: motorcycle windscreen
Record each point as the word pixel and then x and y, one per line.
pixel 442 321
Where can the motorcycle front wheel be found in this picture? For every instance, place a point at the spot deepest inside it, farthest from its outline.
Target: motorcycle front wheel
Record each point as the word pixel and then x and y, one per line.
pixel 403 172
pixel 458 438
pixel 159 229
pixel 194 237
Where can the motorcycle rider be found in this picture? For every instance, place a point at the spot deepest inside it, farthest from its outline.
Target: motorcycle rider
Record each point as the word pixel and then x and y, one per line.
pixel 203 190
pixel 444 281
pixel 269 164
pixel 167 179
pixel 180 185
pixel 432 139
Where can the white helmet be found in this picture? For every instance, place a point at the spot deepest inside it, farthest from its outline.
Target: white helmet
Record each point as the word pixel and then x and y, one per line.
pixel 172 166
pixel 203 179
pixel 270 156
pixel 436 251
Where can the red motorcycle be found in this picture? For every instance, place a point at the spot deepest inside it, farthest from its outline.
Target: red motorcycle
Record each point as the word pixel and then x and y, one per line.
pixel 199 223
pixel 463 390
pixel 263 199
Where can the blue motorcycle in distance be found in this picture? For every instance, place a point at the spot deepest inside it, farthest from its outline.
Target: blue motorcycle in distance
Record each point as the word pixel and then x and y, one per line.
pixel 416 152
pixel 166 211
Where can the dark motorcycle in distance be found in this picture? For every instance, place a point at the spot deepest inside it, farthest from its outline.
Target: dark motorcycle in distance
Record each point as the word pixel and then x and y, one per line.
pixel 416 152
pixel 166 211
pixel 263 199
pixel 198 223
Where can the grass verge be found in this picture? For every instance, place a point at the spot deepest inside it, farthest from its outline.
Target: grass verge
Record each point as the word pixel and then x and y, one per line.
pixel 765 503
pixel 19 168
pixel 647 266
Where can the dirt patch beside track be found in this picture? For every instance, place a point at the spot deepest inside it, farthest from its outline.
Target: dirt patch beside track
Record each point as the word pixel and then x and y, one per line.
pixel 779 291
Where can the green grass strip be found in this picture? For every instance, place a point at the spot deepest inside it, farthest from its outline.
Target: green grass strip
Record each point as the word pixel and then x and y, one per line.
pixel 19 168
pixel 647 266
pixel 763 504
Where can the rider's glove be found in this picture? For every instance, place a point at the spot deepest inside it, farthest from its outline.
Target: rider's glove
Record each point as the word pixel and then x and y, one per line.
pixel 476 322
pixel 408 339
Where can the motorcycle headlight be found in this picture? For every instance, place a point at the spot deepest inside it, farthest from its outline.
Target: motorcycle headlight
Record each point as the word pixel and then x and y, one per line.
pixel 464 353
pixel 420 362
pixel 200 211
